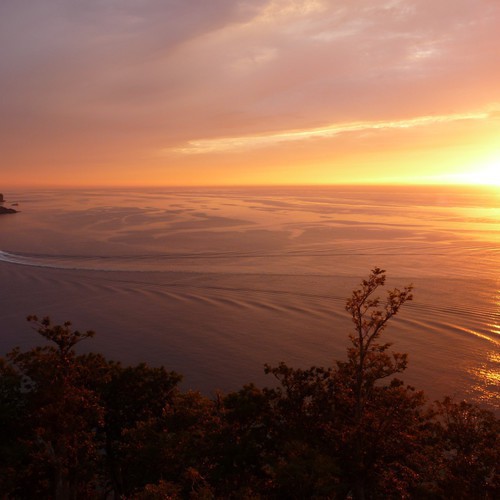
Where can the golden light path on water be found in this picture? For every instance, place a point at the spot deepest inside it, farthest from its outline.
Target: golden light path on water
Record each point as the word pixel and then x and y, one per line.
pixel 489 373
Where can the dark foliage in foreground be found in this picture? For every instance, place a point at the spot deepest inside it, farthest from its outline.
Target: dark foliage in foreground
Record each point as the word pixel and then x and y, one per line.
pixel 79 426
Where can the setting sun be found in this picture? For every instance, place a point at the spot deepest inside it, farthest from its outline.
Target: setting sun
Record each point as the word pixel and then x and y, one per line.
pixel 487 174
pixel 490 174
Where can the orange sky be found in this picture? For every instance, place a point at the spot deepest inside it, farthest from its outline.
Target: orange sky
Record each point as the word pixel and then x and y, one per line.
pixel 161 92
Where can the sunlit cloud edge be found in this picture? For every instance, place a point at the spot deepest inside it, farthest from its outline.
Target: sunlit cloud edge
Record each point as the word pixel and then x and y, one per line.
pixel 240 143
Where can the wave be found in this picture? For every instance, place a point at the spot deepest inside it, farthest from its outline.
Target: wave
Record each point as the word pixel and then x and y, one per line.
pixel 284 262
pixel 50 261
pixel 136 263
pixel 205 262
pixel 72 262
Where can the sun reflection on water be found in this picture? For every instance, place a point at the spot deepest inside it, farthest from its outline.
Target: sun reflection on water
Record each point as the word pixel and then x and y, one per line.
pixel 487 375
pixel 486 390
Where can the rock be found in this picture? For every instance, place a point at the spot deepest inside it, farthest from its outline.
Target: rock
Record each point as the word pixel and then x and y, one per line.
pixel 4 210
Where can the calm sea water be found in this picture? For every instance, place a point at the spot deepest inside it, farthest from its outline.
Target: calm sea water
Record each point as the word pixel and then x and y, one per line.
pixel 215 282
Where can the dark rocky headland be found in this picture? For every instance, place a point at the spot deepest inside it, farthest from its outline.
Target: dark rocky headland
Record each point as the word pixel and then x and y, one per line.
pixel 4 210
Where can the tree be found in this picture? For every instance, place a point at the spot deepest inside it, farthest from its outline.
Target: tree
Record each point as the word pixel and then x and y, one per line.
pixel 12 410
pixel 62 415
pixel 373 412
pixel 133 397
pixel 470 451
pixel 368 360
pixel 359 423
pixel 67 417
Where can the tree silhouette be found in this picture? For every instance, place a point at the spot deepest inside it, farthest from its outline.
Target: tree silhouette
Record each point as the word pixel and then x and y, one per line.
pixel 62 414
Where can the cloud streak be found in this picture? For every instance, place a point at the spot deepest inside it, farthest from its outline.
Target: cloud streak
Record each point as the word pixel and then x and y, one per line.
pixel 227 144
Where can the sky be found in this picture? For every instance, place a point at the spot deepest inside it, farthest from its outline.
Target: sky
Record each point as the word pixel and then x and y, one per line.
pixel 229 92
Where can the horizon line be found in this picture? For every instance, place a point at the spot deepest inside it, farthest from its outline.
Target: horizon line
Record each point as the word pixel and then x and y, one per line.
pixel 254 185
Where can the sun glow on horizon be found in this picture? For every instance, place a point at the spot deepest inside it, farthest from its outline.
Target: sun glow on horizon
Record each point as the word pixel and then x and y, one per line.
pixel 486 174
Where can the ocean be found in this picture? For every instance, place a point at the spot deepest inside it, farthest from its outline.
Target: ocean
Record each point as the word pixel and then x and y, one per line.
pixel 215 282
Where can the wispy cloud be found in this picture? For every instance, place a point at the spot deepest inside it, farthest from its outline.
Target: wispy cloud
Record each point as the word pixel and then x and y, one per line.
pixel 227 144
